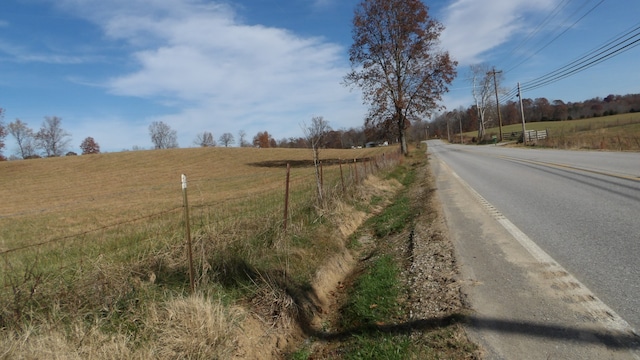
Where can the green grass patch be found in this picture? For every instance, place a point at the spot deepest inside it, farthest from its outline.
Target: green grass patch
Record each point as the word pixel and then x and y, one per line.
pixel 375 200
pixel 374 296
pixel 373 302
pixel 394 218
pixel 394 347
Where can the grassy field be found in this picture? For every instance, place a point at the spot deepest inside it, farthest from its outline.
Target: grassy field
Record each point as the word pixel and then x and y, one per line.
pixel 92 247
pixel 614 132
pixel 46 198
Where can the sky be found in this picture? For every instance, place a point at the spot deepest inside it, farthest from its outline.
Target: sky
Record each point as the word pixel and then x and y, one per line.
pixel 109 68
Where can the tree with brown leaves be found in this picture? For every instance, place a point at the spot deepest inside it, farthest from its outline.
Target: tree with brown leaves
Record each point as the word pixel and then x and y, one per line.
pixel 396 61
pixel 89 146
pixel 263 140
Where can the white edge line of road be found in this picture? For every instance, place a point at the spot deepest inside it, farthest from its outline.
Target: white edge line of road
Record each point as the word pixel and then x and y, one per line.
pixel 612 322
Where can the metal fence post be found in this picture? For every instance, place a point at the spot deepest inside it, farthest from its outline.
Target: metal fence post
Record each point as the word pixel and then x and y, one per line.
pixel 321 181
pixel 355 165
pixel 286 198
pixel 188 233
pixel 344 191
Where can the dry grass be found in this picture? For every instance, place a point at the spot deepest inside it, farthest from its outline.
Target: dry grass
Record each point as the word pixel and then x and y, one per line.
pixel 614 132
pixel 195 328
pixel 99 268
pixel 184 328
pixel 45 198
pixel 611 133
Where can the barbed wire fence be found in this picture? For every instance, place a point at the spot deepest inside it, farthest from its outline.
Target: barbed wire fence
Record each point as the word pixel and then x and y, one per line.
pixel 53 262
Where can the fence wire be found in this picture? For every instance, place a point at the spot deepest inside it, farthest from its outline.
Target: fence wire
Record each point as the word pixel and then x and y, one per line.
pixel 239 215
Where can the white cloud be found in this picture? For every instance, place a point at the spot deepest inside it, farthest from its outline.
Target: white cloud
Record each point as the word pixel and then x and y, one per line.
pixel 19 53
pixel 222 75
pixel 475 27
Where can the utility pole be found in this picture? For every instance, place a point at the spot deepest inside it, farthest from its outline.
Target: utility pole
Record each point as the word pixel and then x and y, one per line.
pixel 460 121
pixel 495 85
pixel 524 136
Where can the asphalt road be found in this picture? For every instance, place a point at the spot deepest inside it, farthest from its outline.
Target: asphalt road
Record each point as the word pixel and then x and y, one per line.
pixel 582 208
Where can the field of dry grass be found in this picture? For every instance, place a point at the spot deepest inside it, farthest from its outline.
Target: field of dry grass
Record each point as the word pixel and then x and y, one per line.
pixel 92 250
pixel 614 132
pixel 45 198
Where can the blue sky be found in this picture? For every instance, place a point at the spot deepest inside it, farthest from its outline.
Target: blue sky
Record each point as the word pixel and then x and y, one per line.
pixel 109 68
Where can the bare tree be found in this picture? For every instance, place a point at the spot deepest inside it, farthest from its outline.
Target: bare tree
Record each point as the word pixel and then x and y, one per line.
pixel 397 62
pixel 51 138
pixel 242 135
pixel 226 139
pixel 482 91
pixel 204 139
pixel 162 136
pixel 3 133
pixel 24 137
pixel 89 146
pixel 315 133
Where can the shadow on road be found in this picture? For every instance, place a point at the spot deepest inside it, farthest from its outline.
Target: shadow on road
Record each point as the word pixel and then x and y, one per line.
pixel 614 340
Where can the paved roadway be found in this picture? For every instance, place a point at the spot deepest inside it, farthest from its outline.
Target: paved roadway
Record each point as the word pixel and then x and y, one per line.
pixel 580 209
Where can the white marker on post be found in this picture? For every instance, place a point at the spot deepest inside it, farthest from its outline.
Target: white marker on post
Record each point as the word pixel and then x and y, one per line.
pixel 184 181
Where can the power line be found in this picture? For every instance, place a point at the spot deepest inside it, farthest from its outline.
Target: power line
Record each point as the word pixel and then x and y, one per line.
pixel 612 48
pixel 558 35
pixel 544 22
pixel 511 94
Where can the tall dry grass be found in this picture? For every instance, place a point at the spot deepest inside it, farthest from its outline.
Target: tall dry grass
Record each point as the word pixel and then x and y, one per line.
pixel 193 327
pixel 614 132
pixel 93 258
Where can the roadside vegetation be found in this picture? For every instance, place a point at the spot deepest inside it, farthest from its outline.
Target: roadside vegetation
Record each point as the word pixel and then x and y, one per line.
pixel 379 314
pixel 613 132
pixel 94 262
pixel 96 265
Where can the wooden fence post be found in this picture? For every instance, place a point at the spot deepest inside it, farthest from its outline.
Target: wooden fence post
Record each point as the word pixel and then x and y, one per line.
pixel 188 234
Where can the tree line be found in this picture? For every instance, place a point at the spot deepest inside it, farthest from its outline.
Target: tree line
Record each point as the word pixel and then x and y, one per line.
pixel 51 140
pixel 535 110
pixel 164 137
